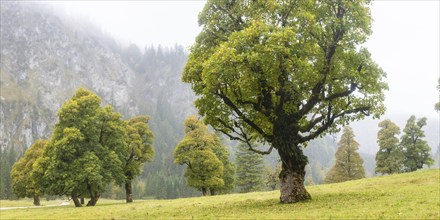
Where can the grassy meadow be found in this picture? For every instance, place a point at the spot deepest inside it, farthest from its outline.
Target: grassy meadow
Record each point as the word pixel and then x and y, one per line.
pixel 404 196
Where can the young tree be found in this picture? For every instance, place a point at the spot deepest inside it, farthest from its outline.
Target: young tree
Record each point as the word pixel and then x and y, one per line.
pixel 139 149
pixel 415 149
pixel 389 158
pixel 22 182
pixel 80 159
pixel 249 167
pixel 348 162
pixel 283 74
pixel 204 169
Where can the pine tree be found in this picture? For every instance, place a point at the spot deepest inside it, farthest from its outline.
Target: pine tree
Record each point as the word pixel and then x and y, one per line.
pixel 389 158
pixel 415 149
pixel 348 164
pixel 8 158
pixel 249 166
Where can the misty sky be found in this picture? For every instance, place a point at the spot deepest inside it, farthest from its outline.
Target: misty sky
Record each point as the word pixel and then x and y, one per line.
pixel 405 40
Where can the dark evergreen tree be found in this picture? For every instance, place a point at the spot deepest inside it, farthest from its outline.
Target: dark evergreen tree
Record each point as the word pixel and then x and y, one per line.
pixel 389 158
pixel 415 148
pixel 8 158
pixel 249 169
pixel 348 163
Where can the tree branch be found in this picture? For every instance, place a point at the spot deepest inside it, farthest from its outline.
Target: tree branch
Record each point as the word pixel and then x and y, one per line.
pixel 330 121
pixel 240 114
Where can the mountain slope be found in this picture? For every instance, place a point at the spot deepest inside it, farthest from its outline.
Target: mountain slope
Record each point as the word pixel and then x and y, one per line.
pixel 42 63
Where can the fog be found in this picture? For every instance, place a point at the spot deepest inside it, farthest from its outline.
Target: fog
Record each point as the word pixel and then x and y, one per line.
pixel 405 43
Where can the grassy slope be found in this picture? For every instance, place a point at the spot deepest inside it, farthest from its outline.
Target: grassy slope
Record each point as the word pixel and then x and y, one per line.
pixel 405 196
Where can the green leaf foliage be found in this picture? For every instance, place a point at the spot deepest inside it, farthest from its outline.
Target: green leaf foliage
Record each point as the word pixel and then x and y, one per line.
pixel 22 182
pixel 284 73
pixel 348 163
pixel 249 169
pixel 389 158
pixel 139 147
pixel 415 148
pixel 207 159
pixel 258 62
pixel 81 157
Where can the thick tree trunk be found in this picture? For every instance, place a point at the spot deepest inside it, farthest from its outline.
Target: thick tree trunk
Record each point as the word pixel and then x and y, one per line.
pixel 93 200
pixel 75 200
pixel 293 165
pixel 128 191
pixel 82 200
pixel 292 185
pixel 37 200
pixel 204 191
pixel 93 196
pixel 212 192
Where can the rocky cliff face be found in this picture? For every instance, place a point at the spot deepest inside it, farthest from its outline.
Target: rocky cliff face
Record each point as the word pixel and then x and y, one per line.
pixel 43 61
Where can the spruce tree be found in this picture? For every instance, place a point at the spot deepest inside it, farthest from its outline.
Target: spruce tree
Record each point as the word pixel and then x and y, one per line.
pixel 249 169
pixel 415 148
pixel 389 158
pixel 348 164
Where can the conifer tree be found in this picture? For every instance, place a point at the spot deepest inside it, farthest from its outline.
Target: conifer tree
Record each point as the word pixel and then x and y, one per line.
pixel 7 159
pixel 22 182
pixel 389 158
pixel 249 169
pixel 415 148
pixel 348 162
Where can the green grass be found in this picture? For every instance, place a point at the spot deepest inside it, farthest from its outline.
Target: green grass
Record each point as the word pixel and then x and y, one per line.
pixel 404 196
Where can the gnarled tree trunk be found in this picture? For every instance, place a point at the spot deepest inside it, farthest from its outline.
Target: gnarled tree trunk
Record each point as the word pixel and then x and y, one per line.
pixel 82 200
pixel 93 199
pixel 213 192
pixel 293 160
pixel 93 196
pixel 36 200
pixel 204 191
pixel 75 200
pixel 128 191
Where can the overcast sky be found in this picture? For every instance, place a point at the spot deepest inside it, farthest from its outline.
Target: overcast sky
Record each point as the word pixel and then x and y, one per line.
pixel 405 40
